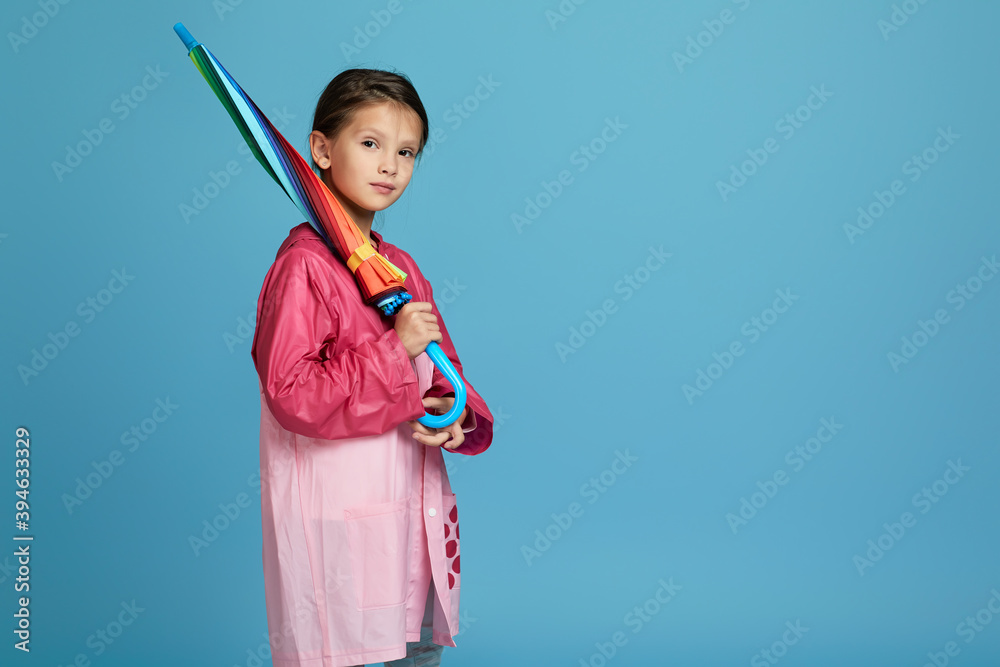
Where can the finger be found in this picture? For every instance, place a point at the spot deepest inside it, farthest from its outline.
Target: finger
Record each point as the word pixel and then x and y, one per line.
pixel 426 433
pixel 438 402
pixel 420 428
pixel 435 440
pixel 456 441
pixel 457 436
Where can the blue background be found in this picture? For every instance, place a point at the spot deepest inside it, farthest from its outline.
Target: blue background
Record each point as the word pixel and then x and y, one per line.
pixel 179 330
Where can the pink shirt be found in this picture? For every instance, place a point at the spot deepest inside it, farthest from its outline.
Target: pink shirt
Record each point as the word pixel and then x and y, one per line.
pixel 358 518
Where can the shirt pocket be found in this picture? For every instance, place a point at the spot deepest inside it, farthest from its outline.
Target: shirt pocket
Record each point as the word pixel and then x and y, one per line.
pixel 452 552
pixel 377 537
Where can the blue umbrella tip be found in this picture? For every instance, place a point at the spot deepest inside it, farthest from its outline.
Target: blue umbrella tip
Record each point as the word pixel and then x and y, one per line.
pixel 182 32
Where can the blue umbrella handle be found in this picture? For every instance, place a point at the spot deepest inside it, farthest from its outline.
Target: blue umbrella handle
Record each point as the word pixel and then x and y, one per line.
pixel 443 363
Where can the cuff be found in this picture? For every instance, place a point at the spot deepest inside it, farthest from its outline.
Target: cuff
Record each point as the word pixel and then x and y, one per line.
pixel 470 420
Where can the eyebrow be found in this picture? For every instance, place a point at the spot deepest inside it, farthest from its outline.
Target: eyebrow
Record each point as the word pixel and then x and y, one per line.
pixel 372 130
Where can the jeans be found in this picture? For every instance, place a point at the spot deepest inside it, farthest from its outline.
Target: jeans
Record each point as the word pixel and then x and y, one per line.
pixel 424 653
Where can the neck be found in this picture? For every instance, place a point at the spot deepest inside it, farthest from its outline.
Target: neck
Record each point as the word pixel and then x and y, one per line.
pixel 361 218
pixel 366 231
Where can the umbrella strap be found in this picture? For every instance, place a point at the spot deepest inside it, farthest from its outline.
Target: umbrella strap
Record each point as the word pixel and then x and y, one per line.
pixel 363 252
pixel 360 254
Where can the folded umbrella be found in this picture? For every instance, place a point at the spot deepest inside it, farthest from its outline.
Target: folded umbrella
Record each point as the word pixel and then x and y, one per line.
pixel 381 282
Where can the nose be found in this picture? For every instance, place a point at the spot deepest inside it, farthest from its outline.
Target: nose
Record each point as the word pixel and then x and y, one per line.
pixel 389 165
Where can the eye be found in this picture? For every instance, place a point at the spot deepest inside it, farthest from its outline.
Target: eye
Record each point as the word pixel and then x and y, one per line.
pixel 367 141
pixel 407 150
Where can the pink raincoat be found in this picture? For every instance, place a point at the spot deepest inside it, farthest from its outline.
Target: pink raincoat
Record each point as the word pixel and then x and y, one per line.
pixel 359 520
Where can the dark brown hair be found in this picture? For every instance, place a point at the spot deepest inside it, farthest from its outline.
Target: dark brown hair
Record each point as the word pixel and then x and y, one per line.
pixel 354 89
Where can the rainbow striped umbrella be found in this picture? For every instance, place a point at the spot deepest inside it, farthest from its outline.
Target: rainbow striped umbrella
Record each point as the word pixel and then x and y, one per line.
pixel 380 281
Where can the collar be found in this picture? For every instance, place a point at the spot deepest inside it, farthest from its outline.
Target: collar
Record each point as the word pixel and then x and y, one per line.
pixel 378 240
pixel 306 229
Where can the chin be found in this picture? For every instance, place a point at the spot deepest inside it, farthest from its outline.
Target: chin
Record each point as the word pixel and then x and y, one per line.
pixel 380 205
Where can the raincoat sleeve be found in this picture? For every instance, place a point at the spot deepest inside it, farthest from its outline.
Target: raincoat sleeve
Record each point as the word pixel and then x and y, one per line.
pixel 478 424
pixel 364 390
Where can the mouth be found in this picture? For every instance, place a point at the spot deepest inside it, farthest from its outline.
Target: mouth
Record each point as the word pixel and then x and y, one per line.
pixel 383 188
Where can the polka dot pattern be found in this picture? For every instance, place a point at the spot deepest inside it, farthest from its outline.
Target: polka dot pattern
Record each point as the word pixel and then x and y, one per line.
pixel 451 546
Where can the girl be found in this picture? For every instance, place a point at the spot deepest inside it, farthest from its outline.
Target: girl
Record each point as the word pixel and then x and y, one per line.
pixel 360 525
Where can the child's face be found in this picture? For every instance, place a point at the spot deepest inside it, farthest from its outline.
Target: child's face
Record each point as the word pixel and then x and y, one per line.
pixel 377 147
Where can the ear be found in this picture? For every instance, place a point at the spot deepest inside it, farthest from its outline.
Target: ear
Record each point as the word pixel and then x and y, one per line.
pixel 319 146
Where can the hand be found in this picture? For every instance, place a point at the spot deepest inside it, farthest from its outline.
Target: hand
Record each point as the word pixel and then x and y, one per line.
pixel 450 436
pixel 416 327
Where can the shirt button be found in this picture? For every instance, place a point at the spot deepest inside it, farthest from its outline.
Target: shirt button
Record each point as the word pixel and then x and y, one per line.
pixel 432 511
